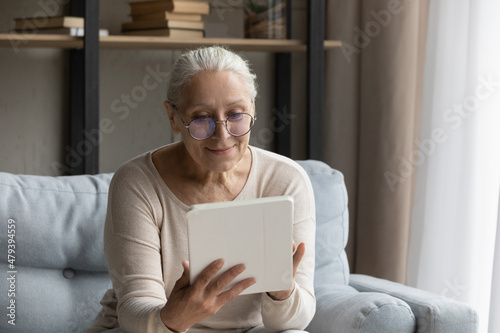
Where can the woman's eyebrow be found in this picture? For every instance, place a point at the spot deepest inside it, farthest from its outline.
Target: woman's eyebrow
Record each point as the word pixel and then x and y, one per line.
pixel 206 105
pixel 238 101
pixel 201 104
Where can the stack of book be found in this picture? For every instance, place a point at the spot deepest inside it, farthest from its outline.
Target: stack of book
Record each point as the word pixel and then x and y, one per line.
pixel 170 18
pixel 60 25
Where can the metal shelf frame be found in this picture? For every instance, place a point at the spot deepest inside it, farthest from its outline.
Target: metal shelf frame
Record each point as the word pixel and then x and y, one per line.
pixel 84 86
pixel 84 90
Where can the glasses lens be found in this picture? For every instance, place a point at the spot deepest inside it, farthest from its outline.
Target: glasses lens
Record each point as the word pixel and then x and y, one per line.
pixel 239 124
pixel 202 128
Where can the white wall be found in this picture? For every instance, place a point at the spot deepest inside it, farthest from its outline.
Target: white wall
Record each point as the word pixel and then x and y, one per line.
pixel 34 92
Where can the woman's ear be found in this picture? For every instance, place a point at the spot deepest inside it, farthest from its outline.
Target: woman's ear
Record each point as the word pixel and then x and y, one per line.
pixel 171 114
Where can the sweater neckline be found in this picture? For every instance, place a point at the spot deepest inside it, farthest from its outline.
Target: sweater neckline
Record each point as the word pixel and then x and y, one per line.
pixel 180 203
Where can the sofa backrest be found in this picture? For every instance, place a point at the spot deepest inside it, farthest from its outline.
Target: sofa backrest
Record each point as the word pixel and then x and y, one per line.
pixel 59 269
pixel 59 272
pixel 332 223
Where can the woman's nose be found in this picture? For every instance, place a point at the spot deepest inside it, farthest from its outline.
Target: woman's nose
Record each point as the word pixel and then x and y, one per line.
pixel 221 131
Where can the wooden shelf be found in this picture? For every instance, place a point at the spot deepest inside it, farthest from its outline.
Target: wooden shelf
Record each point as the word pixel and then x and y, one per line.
pixel 147 42
pixel 266 45
pixel 38 40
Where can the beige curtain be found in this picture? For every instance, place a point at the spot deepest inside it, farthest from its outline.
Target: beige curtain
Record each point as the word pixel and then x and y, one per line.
pixel 374 92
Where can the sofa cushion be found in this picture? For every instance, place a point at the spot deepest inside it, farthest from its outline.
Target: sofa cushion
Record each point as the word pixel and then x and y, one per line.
pixel 61 218
pixel 59 271
pixel 332 223
pixel 435 313
pixel 343 309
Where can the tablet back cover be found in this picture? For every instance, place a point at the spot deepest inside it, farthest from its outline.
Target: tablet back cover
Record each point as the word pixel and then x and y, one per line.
pixel 257 233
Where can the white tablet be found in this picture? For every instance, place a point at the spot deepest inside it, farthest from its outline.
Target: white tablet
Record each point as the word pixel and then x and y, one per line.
pixel 257 233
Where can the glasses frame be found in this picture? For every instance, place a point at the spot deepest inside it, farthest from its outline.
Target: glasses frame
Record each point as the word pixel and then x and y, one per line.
pixel 216 122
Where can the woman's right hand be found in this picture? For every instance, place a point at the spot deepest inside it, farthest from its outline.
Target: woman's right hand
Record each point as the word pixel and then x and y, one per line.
pixel 189 304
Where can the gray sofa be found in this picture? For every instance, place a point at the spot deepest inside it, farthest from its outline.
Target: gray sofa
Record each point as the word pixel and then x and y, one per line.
pixel 56 273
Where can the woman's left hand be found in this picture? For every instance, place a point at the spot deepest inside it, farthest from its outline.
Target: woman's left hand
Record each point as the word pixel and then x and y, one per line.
pixel 297 257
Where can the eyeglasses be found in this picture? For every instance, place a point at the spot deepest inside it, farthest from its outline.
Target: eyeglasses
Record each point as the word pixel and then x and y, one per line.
pixel 202 128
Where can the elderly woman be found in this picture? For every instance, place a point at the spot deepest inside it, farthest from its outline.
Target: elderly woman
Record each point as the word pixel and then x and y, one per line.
pixel 211 103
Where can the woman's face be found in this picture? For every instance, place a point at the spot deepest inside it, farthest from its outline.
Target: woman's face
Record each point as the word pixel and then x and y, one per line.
pixel 216 95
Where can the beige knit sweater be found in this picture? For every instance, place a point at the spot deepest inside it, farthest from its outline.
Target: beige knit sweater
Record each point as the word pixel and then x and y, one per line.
pixel 145 241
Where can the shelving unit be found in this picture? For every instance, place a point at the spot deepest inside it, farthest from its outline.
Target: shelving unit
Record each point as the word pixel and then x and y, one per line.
pixel 84 70
pixel 159 43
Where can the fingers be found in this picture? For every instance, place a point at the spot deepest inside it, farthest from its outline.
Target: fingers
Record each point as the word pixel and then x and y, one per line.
pixel 185 265
pixel 184 279
pixel 237 289
pixel 208 274
pixel 189 304
pixel 225 279
pixel 297 256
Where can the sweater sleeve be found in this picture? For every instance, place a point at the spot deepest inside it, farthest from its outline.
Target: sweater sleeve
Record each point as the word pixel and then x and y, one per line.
pixel 299 308
pixel 132 248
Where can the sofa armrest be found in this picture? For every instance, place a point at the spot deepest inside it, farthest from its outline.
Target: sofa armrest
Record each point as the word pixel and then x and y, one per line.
pixel 340 308
pixel 434 313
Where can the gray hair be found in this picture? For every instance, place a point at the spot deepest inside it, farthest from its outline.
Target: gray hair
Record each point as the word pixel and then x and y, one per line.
pixel 213 59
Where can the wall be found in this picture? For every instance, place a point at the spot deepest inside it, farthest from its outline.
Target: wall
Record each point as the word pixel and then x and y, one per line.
pixel 34 91
pixel 33 101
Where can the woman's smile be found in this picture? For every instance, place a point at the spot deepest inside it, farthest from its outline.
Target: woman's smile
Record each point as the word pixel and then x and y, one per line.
pixel 221 151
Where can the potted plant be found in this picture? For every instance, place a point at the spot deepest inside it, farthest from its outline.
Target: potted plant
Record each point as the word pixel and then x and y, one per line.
pixel 265 19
